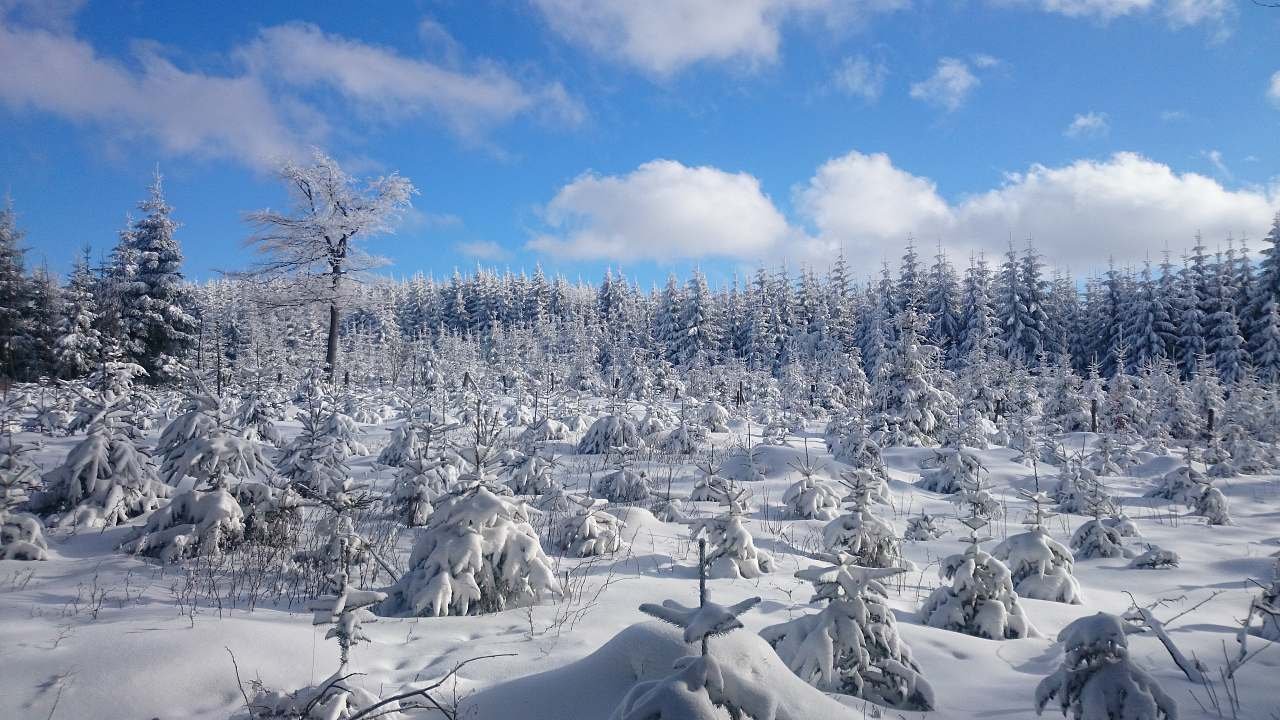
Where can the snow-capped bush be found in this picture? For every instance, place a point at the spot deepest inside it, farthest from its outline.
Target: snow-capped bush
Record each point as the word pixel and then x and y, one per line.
pixel 403 446
pixel 21 534
pixel 608 433
pixel 980 600
pixel 531 475
pixel 1039 566
pixel 1211 504
pixel 1155 558
pixel 955 467
pixel 868 539
pixel 478 554
pixel 851 646
pixel 1098 680
pixel 733 552
pixel 105 480
pixel 922 528
pixel 194 522
pixel 624 486
pixel 1096 539
pixel 812 499
pixel 346 611
pixel 714 417
pixel 546 430
pixel 590 531
pixel 1111 457
pixel 1181 484
pixel 202 444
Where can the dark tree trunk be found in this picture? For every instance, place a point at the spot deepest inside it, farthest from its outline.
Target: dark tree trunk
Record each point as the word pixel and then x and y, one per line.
pixel 331 349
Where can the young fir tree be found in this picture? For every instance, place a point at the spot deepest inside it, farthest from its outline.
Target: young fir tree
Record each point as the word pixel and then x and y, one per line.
pixel 15 293
pixel 79 342
pixel 1098 680
pixel 157 327
pixel 851 646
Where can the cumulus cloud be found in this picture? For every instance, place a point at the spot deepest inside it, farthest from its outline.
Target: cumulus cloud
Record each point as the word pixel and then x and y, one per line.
pixel 861 78
pixel 949 86
pixel 1079 214
pixel 662 211
pixel 662 37
pixel 268 106
pixel 1090 124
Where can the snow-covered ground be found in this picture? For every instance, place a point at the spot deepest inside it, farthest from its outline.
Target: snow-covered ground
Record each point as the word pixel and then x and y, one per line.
pixel 96 633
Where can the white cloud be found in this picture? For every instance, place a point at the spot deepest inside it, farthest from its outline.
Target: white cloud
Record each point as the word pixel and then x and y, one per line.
pixel 949 86
pixel 1213 14
pixel 1273 90
pixel 662 37
pixel 662 211
pixel 267 106
pixel 1079 214
pixel 861 77
pixel 1173 115
pixel 185 112
pixel 482 250
pixel 1090 124
pixel 391 85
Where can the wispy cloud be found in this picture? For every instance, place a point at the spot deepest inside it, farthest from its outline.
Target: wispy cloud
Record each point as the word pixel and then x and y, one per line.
pixel 949 86
pixel 860 77
pixel 1090 124
pixel 482 250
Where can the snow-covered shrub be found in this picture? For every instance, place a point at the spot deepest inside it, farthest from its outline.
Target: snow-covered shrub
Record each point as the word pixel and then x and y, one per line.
pixel 105 480
pixel 193 523
pixel 1248 456
pixel 922 528
pixel 270 514
pixel 1181 484
pixel 714 417
pixel 1217 460
pixel 683 439
pixel 1098 680
pixel 402 447
pixel 812 499
pixel 21 534
pixel 418 484
pixel 546 430
pixel 868 539
pixel 733 552
pixel 980 600
pixel 531 475
pixel 1111 457
pixel 742 463
pixel 478 553
pixel 608 433
pixel 1212 505
pixel 1078 488
pixel 256 417
pixel 316 458
pixel 1039 566
pixel 851 646
pixel 624 486
pixel 202 444
pixel 334 698
pixel 590 531
pixel 1155 558
pixel 1096 539
pixel 955 467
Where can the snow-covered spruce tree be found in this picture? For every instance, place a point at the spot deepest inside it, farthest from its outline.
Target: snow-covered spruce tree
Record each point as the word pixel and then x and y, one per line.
pixel 810 498
pixel 1098 680
pixel 922 528
pixel 1217 459
pixel 403 445
pixel 105 479
pixel 710 487
pixel 1155 558
pixel 1211 504
pixel 256 418
pixel 477 554
pixel 1248 455
pixel 610 432
pixel 79 342
pixel 1111 456
pixel 157 327
pixel 316 458
pixel 202 444
pixel 1040 566
pixel 851 646
pixel 194 522
pixel 1181 484
pixel 21 534
pixel 701 688
pixel 624 485
pixel 733 551
pixel 590 530
pixel 906 392
pixel 956 465
pixel 346 610
pixel 1101 537
pixel 870 540
pixel 981 600
pixel 855 447
pixel 531 475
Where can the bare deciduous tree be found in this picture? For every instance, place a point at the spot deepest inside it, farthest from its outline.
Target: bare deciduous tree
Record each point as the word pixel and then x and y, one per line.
pixel 313 246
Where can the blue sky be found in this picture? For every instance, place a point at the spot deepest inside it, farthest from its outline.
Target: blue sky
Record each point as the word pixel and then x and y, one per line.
pixel 657 135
